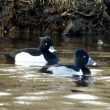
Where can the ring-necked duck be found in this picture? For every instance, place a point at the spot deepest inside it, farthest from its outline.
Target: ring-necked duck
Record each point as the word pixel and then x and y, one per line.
pixel 44 55
pixel 78 70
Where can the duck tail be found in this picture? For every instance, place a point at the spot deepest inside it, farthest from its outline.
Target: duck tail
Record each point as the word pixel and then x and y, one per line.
pixel 9 58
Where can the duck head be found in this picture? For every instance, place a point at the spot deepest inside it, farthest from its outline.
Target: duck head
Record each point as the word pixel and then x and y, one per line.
pixel 82 58
pixel 47 45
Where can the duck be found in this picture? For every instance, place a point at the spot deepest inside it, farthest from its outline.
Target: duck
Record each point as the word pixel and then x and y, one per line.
pixel 42 56
pixel 79 71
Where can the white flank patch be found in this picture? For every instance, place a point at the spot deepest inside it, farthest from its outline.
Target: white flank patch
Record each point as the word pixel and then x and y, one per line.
pixel 82 97
pixel 4 94
pixel 31 98
pixel 96 103
pixel 26 59
pixel 63 71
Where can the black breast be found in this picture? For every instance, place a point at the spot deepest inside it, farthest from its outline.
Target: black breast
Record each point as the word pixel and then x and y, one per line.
pixel 51 58
pixel 86 71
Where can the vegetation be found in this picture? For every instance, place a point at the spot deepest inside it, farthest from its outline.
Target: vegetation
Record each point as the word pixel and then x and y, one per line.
pixel 66 17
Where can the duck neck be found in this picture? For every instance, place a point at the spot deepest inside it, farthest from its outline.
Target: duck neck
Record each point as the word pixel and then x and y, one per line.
pixel 86 71
pixel 51 58
pixel 80 65
pixel 47 53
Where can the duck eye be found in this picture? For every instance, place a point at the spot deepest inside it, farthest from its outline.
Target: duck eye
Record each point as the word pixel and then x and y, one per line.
pixel 84 56
pixel 46 43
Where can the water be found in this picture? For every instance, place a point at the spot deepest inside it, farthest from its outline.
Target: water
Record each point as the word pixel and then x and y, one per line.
pixel 24 88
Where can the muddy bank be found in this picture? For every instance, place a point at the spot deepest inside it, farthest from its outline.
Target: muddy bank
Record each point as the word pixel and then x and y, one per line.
pixel 70 18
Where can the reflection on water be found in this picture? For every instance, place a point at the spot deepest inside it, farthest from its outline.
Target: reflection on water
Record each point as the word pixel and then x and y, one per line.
pixel 25 88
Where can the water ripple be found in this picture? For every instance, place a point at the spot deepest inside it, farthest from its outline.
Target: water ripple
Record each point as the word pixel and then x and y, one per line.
pixel 96 103
pixel 31 98
pixel 82 97
pixel 4 93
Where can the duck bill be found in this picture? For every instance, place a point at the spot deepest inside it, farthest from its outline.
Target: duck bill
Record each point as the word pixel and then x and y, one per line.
pixel 51 49
pixel 91 62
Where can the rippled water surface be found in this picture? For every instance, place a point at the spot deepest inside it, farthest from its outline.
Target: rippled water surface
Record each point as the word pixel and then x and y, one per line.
pixel 24 88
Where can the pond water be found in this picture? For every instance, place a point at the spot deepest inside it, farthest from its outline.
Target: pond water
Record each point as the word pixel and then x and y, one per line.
pixel 24 88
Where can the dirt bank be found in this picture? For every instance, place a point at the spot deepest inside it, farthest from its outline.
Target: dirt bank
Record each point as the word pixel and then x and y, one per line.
pixel 70 18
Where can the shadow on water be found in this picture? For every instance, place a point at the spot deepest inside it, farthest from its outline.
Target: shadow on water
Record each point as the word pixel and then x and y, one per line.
pixel 23 88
